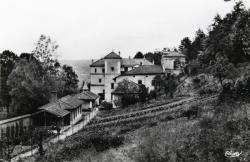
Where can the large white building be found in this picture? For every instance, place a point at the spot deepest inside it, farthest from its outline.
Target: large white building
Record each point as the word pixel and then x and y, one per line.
pixel 107 72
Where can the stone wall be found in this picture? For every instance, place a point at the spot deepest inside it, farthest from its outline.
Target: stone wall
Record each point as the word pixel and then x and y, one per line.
pixel 13 127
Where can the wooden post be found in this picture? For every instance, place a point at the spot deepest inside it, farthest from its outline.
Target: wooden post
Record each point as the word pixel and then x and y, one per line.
pixel 45 120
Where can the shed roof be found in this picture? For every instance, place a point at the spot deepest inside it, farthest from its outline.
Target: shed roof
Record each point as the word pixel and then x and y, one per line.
pixel 70 102
pixel 55 109
pixel 87 95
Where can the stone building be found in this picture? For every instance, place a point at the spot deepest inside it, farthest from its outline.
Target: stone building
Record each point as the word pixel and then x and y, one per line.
pixel 141 75
pixel 173 62
pixel 104 71
pixel 112 69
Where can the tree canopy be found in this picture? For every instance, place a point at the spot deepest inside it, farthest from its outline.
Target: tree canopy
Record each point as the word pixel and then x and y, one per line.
pixel 34 76
pixel 139 55
pixel 7 62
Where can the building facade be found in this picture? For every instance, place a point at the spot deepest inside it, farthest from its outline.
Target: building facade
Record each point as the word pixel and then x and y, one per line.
pixel 173 62
pixel 104 71
pixel 107 72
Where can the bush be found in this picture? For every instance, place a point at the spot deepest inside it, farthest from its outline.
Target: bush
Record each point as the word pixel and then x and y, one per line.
pixel 196 82
pixel 129 99
pixel 152 94
pixel 107 105
pixel 207 91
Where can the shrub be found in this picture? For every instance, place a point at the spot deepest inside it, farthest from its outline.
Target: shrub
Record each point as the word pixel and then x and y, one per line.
pixel 207 91
pixel 196 82
pixel 152 94
pixel 129 99
pixel 107 105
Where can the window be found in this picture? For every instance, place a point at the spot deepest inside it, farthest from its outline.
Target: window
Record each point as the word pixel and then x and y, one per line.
pixel 95 70
pixel 139 81
pixel 100 80
pixel 126 69
pixel 112 68
pixel 103 70
pixel 112 85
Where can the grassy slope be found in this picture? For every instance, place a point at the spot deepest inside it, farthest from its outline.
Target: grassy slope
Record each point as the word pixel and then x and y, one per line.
pixel 131 133
pixel 205 138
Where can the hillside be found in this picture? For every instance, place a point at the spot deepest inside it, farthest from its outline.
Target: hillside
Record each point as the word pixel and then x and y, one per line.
pixel 81 68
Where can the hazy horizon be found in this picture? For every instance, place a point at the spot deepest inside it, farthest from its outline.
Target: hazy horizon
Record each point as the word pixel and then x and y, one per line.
pixel 91 29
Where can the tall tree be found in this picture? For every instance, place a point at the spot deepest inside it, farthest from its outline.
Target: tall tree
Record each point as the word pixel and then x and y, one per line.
pixel 70 79
pixel 230 37
pixel 198 45
pixel 34 77
pixel 46 52
pixel 186 47
pixel 27 89
pixel 7 62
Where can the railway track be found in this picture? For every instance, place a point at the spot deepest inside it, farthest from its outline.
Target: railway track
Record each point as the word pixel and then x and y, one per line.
pixel 170 108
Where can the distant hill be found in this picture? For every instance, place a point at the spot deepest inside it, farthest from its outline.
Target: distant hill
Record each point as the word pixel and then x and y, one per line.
pixel 81 68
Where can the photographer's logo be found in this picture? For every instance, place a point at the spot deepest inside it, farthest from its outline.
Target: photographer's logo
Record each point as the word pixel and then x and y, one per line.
pixel 232 154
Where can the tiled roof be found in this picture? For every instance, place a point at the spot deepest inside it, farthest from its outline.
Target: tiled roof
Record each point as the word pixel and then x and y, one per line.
pixel 98 63
pixel 70 102
pixel 173 54
pixel 145 69
pixel 112 55
pixel 87 95
pixel 60 107
pixel 55 109
pixel 127 62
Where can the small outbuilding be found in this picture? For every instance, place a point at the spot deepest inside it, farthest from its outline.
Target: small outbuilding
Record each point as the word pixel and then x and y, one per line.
pixel 90 100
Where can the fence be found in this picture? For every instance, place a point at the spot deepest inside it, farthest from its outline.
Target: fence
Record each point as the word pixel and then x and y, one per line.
pixel 67 132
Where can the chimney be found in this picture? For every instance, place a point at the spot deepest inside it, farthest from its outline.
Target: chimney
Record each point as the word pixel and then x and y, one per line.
pixel 119 53
pixel 53 96
pixel 92 61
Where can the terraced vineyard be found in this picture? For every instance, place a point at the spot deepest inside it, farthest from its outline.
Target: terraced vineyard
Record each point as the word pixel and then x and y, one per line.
pixel 171 108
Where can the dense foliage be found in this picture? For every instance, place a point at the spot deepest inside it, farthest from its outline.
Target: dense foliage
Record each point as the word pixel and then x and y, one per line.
pixel 27 80
pixel 7 62
pixel 130 93
pixel 165 85
pixel 139 55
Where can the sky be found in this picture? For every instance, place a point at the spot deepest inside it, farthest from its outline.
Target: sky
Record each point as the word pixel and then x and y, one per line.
pixel 90 29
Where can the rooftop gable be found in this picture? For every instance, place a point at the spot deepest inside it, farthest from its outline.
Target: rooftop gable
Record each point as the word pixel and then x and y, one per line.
pixel 112 55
